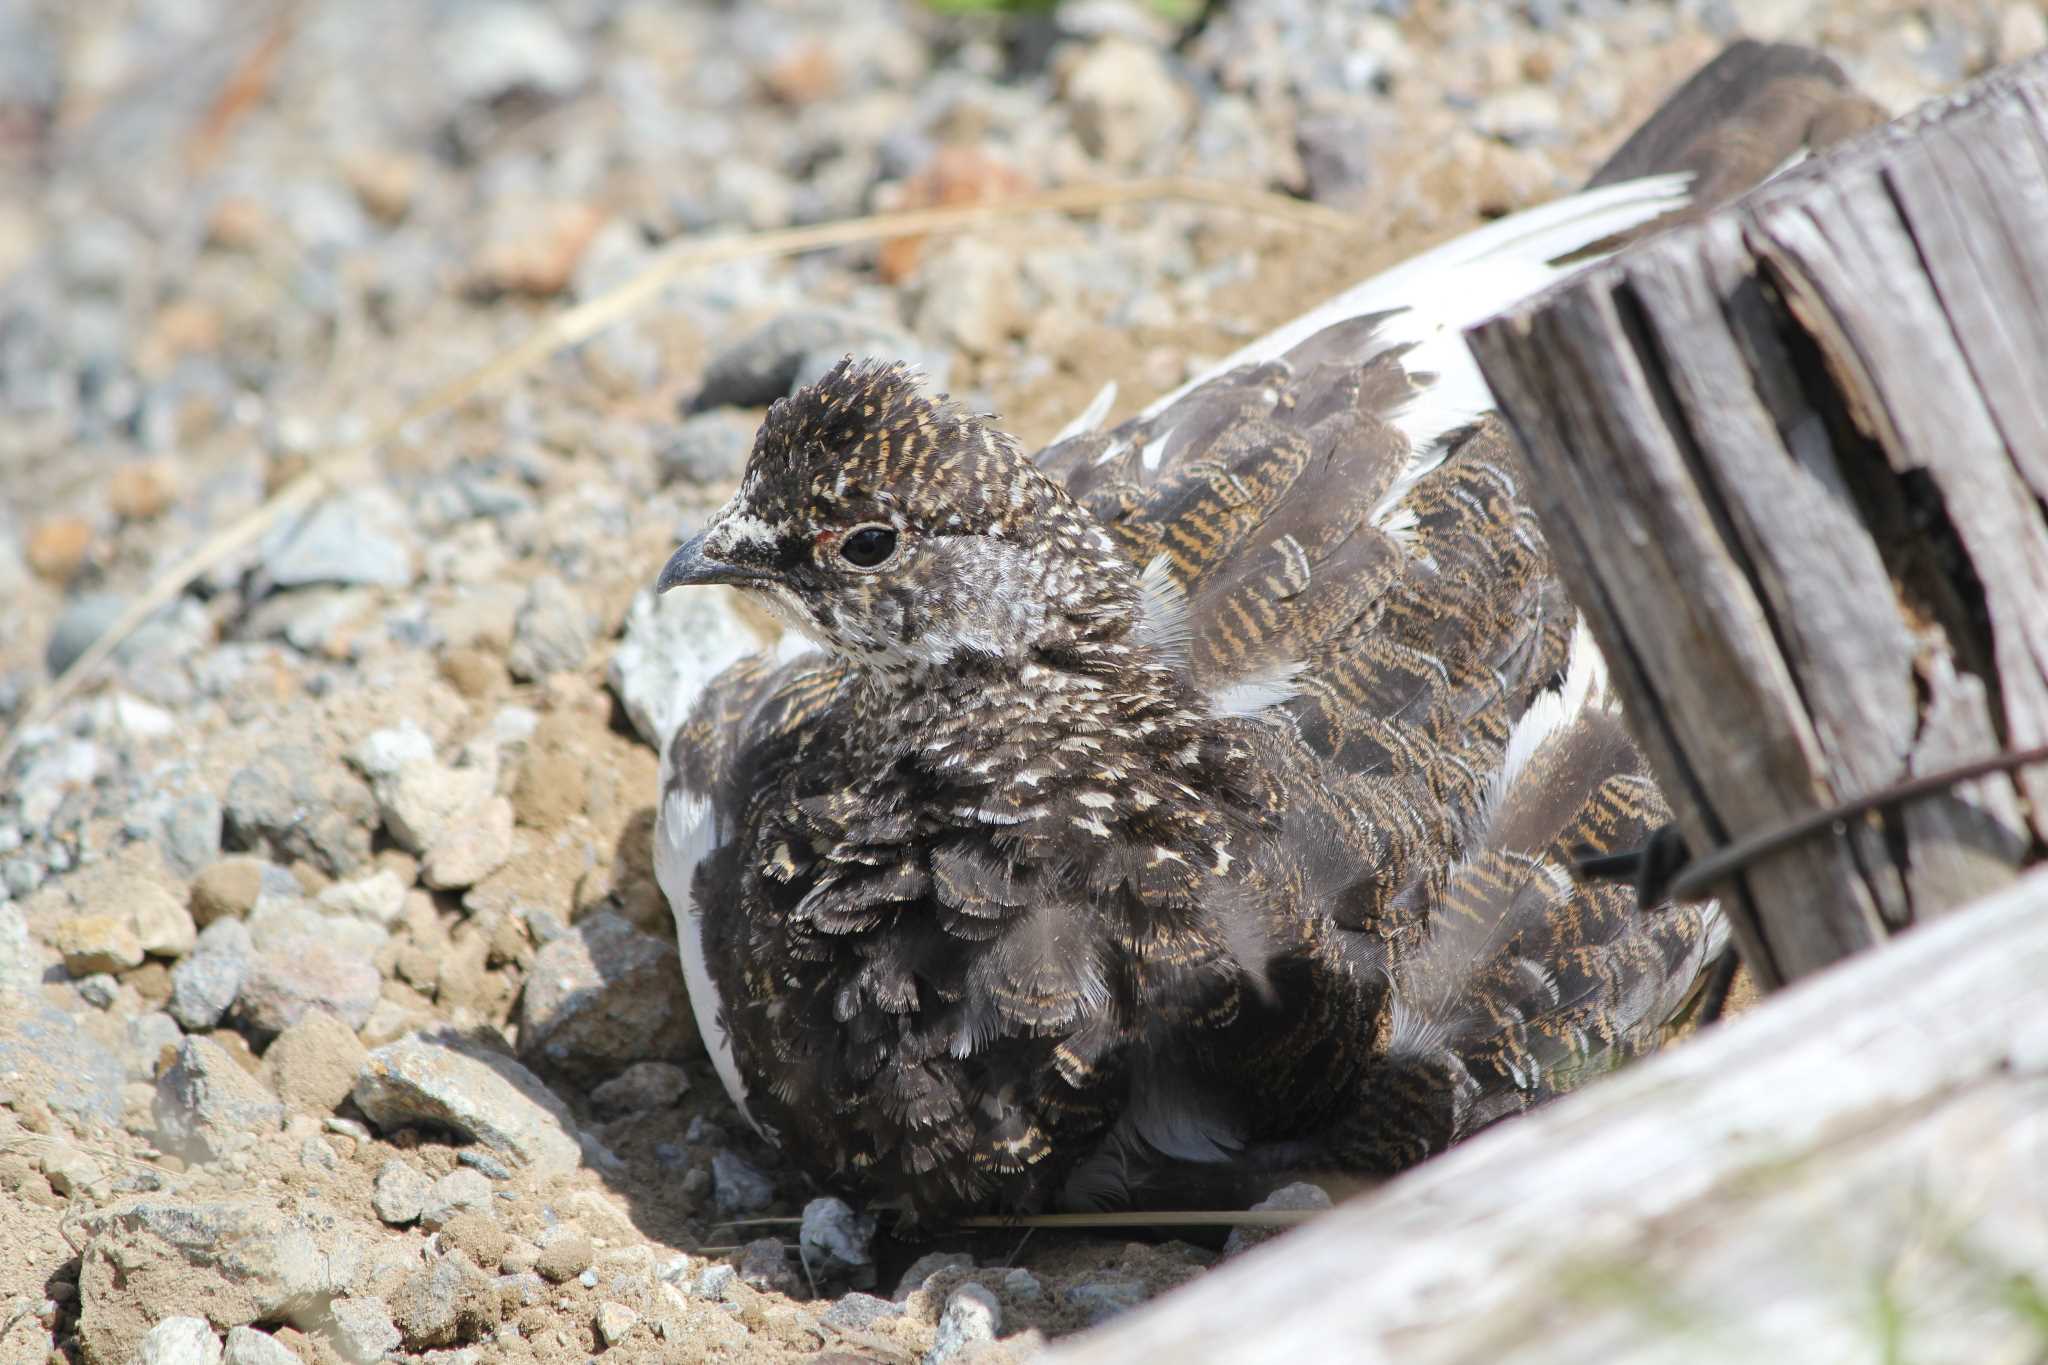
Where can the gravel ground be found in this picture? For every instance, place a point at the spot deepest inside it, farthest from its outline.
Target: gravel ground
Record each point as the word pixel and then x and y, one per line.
pixel 339 1013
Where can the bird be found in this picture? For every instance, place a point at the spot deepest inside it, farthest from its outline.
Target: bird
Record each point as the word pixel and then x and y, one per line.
pixel 1194 797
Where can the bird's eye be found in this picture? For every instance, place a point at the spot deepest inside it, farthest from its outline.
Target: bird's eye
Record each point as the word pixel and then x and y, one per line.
pixel 868 547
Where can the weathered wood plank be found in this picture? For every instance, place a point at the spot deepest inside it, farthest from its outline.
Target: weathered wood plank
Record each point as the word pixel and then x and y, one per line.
pixel 1791 461
pixel 1853 1171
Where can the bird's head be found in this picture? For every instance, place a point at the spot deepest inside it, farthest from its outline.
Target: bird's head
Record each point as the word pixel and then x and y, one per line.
pixel 898 530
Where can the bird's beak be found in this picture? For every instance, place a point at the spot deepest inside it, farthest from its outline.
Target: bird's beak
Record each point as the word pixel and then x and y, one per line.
pixel 696 563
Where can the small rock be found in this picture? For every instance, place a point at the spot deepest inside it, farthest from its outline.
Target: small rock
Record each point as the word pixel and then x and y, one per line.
pixel 191 833
pixel 424 803
pixel 84 620
pixel 928 1265
pixel 857 1312
pixel 712 1281
pixel 56 550
pixel 484 1164
pixel 378 898
pixel 971 1316
pixel 1337 153
pixel 708 448
pixel 98 990
pixel 1022 1285
pixel 357 539
pixel 490 1098
pixel 227 889
pixel 445 1302
pixel 615 1322
pixel 477 1236
pixel 737 1185
pixel 1300 1195
pixel 20 969
pixel 763 365
pixel 605 995
pixel 764 1265
pixel 296 974
pixel 641 1087
pixel 97 943
pixel 1100 1300
pixel 300 803
pixel 385 753
pixel 967 294
pixel 400 1193
pixel 148 1035
pixel 313 1063
pixel 44 1053
pixel 205 984
pixel 491 50
pixel 554 631
pixel 180 1341
pixel 163 926
pixel 70 1171
pixel 472 849
pixel 454 1194
pixel 359 1328
pixel 565 1253
pixel 207 1105
pixel 836 1243
pixel 1126 104
pixel 141 491
pixel 1520 115
pixel 247 1346
pixel 674 645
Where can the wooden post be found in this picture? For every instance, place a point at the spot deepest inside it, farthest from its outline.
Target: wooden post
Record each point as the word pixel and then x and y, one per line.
pixel 1791 460
pixel 1857 1170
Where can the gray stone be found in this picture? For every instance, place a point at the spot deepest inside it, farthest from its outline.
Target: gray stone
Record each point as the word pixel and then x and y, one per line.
pixel 1300 1195
pixel 180 1341
pixel 383 753
pixel 762 365
pixel 458 1192
pixel 857 1312
pixel 400 1193
pixel 928 1265
pixel 148 1035
pixel 641 1087
pixel 228 1261
pixel 1022 1285
pixel 378 898
pixel 553 633
pixel 423 803
pixel 444 1302
pixel 488 1097
pixel 300 973
pixel 313 1064
pixel 1100 1300
pixel 484 1164
pixel 470 850
pixel 296 802
pixel 605 995
pixel 497 48
pixel 21 967
pixel 836 1242
pixel 971 1316
pixel 707 448
pixel 359 1328
pixel 356 539
pixel 191 833
pixel 207 1106
pixel 247 1346
pixel 764 1265
pixel 98 990
pixel 163 926
pixel 564 1253
pixel 1520 115
pixel 46 1054
pixel 1125 104
pixel 1337 154
pixel 615 1322
pixel 674 645
pixel 738 1186
pixel 70 1171
pixel 84 619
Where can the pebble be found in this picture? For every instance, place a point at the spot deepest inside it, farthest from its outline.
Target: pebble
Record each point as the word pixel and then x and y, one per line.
pixel 360 1330
pixel 707 448
pixel 605 995
pixel 98 990
pixel 191 833
pixel 248 1346
pixel 836 1243
pixel 495 48
pixel 641 1087
pixel 763 364
pixel 208 1106
pixel 21 969
pixel 487 1097
pixel 57 548
pixel 1022 1285
pixel 857 1312
pixel 97 943
pixel 1125 105
pixel 378 898
pixel 971 1316
pixel 553 633
pixel 484 1164
pixel 967 294
pixel 1301 1195
pixel 354 540
pixel 70 1171
pixel 444 1302
pixel 1102 1299
pixel 928 1265
pixel 615 1322
pixel 313 1063
pixel 227 889
pixel 163 926
pixel 400 1193
pixel 44 1053
pixel 472 849
pixel 458 1192
pixel 148 1035
pixel 423 803
pixel 205 984
pixel 565 1253
pixel 142 490
pixel 299 803
pixel 1519 115
pixel 737 1185
pixel 288 977
pixel 180 1341
pixel 764 1264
